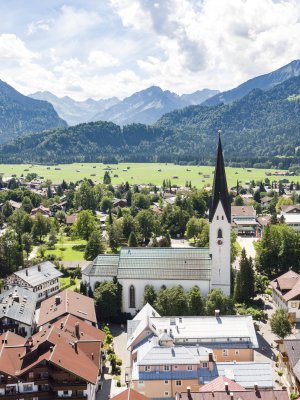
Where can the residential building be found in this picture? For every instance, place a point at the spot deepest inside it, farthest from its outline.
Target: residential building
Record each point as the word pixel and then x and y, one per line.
pixel 255 394
pixel 291 215
pixel 243 220
pixel 45 211
pixel 171 353
pixel 130 394
pixel 208 268
pixel 17 311
pixel 63 360
pixel 42 279
pixel 286 293
pixel 289 360
pixel 65 303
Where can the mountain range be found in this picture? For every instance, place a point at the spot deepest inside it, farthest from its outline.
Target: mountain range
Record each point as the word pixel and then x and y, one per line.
pixel 145 106
pixel 72 111
pixel 262 129
pixel 263 82
pixel 20 114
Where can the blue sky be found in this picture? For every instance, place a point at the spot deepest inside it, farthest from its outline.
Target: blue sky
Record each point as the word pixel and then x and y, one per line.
pixel 110 48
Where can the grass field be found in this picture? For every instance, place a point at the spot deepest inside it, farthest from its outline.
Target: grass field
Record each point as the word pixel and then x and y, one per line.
pixel 67 251
pixel 141 173
pixel 66 284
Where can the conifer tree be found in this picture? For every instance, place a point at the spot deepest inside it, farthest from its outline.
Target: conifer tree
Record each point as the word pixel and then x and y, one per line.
pixel 132 241
pixel 244 283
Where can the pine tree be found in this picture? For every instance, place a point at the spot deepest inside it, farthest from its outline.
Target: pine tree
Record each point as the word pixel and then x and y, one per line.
pixel 94 246
pixel 132 241
pixel 244 283
pixel 106 178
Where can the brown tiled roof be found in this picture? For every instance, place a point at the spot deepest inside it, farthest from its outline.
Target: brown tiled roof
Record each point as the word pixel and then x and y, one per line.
pixel 239 211
pixel 218 384
pixel 264 220
pixel 289 282
pixel 238 395
pixel 288 209
pixel 71 219
pixel 130 394
pixel 69 302
pixel 58 344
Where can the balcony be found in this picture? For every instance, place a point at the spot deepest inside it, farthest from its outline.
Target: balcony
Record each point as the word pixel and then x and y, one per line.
pixel 67 385
pixel 15 395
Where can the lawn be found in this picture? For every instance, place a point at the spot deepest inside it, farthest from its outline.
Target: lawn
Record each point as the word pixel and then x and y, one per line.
pixel 65 283
pixel 141 173
pixel 69 250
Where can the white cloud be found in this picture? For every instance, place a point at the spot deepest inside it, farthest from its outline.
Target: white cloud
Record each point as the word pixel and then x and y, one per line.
pixel 14 49
pixel 41 25
pixel 101 59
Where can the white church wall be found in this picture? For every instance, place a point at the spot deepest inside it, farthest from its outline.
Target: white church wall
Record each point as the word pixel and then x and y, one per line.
pixel 139 286
pixel 92 280
pixel 220 275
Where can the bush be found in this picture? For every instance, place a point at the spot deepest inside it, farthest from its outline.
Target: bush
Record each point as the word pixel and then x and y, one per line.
pixel 268 291
pixel 294 396
pixel 280 373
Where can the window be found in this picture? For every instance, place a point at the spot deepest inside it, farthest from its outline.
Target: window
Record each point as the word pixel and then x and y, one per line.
pixel 166 367
pixel 147 368
pixel 27 388
pixel 141 383
pixel 204 364
pixel 166 382
pixel 294 304
pixel 189 367
pixel 175 366
pixel 131 297
pixel 220 235
pixel 166 394
pixel 31 375
pixel 178 383
pixel 237 352
pixel 222 217
pixel 225 352
pixel 217 217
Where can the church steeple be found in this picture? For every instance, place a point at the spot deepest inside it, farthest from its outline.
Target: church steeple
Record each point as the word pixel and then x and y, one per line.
pixel 220 191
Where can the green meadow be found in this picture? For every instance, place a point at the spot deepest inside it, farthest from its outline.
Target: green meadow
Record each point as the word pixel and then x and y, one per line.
pixel 134 173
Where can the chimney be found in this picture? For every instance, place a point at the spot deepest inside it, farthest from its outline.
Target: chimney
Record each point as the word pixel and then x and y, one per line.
pixel 177 396
pixel 255 386
pixel 188 388
pixel 75 346
pixel 39 268
pixel 51 349
pixel 61 325
pixel 57 300
pixel 226 387
pixel 217 313
pixel 231 395
pixel 210 362
pixel 77 329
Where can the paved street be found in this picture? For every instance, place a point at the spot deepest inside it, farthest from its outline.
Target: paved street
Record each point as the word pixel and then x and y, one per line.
pixel 180 243
pixel 247 242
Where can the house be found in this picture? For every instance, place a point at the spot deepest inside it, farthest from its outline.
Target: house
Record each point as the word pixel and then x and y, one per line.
pixel 17 310
pixel 263 221
pixel 45 211
pixel 42 279
pixel 255 394
pixel 63 360
pixel 292 220
pixel 130 394
pixel 243 220
pixel 64 303
pixel 265 200
pixel 168 353
pixel 119 203
pixel 71 219
pixel 289 360
pixel 291 209
pixel 286 293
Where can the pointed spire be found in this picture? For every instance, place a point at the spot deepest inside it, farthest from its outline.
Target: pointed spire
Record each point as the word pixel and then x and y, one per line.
pixel 220 191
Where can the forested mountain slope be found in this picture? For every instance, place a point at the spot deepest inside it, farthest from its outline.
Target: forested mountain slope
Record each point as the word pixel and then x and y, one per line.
pixel 20 114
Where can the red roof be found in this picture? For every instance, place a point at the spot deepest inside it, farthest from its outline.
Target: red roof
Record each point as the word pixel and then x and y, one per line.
pixel 259 394
pixel 289 283
pixel 130 394
pixel 67 302
pixel 219 383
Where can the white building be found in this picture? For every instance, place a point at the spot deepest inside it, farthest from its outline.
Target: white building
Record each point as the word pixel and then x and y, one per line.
pixel 208 268
pixel 42 279
pixel 286 293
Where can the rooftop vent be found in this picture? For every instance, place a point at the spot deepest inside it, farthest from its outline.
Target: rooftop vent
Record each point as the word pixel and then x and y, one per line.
pixel 217 313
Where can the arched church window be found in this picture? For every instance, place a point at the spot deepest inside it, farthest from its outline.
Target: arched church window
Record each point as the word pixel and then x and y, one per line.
pixel 220 235
pixel 223 217
pixel 131 297
pixel 217 217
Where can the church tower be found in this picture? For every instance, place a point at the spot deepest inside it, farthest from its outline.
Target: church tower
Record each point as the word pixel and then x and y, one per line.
pixel 220 227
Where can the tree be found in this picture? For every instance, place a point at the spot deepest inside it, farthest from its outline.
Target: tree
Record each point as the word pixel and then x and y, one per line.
pixel 196 303
pixel 140 200
pixel 244 283
pixel 52 239
pixel 106 204
pixel 41 226
pixel 171 301
pixel 145 221
pixel 115 234
pixel 27 204
pixel 7 209
pixel 280 324
pixel 193 227
pixel 238 201
pixel 85 224
pixel 60 216
pixel 149 295
pixel 108 300
pixel 85 198
pixel 217 300
pixel 11 253
pixel 95 246
pixel 129 225
pixel 106 178
pixel 132 241
pixel 27 243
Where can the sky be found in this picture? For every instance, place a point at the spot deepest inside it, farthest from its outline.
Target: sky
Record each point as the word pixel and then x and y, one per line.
pixel 105 48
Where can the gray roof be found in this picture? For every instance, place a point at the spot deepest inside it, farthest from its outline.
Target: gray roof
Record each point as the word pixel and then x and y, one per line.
pixel 39 274
pixel 103 265
pixel 292 348
pixel 18 304
pixel 154 263
pixel 165 263
pixel 247 373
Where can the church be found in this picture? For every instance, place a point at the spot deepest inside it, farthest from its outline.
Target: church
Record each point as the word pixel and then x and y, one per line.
pixel 208 268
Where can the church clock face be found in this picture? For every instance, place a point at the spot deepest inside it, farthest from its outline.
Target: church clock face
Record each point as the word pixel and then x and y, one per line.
pixel 219 242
